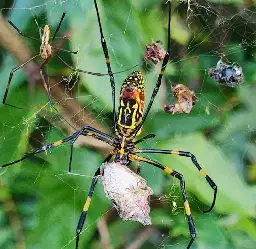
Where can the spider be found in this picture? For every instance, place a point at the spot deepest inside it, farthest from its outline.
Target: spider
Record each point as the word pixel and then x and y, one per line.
pixel 47 52
pixel 128 123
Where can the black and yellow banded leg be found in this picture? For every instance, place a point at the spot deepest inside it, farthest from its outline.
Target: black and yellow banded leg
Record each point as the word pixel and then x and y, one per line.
pixel 88 200
pixel 76 135
pixel 41 149
pixel 194 161
pixel 160 76
pixel 110 73
pixel 86 207
pixel 89 131
pixel 151 135
pixel 85 131
pixel 169 171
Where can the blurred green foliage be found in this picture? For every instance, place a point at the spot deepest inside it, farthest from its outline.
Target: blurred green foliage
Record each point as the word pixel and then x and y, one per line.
pixel 220 130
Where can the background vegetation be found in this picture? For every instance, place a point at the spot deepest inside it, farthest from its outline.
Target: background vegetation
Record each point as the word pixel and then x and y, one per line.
pixel 41 203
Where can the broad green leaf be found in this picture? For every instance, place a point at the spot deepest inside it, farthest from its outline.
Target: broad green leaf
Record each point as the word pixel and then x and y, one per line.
pixel 243 121
pixel 17 124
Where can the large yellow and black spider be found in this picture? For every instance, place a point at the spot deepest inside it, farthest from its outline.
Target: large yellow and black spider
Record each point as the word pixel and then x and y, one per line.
pixel 127 124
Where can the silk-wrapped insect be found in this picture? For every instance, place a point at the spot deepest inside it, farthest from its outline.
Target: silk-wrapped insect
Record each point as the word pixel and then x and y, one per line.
pixel 229 74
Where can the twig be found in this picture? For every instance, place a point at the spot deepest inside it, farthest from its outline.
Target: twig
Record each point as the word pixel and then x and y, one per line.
pixel 104 234
pixel 70 108
pixel 15 222
pixel 142 237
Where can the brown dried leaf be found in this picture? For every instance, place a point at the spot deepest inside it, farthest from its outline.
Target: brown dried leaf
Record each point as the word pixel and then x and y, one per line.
pixel 185 98
pixel 154 52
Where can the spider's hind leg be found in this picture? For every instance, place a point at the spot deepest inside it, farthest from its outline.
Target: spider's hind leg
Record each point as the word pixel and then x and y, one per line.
pixel 83 215
pixel 194 161
pixel 180 177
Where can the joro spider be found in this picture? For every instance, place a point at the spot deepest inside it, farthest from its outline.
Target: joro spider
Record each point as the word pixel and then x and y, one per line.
pixel 128 125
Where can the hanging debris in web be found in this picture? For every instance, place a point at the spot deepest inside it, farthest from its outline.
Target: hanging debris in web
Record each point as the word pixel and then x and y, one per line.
pixel 154 52
pixel 128 192
pixel 185 100
pixel 229 74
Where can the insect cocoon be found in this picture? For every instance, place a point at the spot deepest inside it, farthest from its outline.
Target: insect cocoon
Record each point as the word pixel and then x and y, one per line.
pixel 128 191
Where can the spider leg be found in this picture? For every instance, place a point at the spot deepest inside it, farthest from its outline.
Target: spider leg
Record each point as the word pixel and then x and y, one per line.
pixel 65 50
pixel 110 73
pixel 59 25
pixel 194 161
pixel 89 72
pixel 151 135
pixel 85 131
pixel 21 33
pixel 180 177
pixel 45 82
pixel 86 207
pixel 88 201
pixel 41 149
pixel 10 79
pixel 55 33
pixel 160 76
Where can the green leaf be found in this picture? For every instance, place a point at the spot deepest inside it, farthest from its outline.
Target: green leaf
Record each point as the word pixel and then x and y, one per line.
pixel 17 124
pixel 242 121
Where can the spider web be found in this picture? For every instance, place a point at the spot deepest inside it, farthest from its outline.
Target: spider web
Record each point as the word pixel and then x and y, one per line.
pixel 48 201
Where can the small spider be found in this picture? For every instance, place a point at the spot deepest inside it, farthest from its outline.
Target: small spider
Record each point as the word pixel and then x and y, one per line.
pixel 227 74
pixel 47 52
pixel 127 123
pixel 186 99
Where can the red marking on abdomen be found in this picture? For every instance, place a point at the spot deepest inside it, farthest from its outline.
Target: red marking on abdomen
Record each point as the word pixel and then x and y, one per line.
pixel 133 95
pixel 128 94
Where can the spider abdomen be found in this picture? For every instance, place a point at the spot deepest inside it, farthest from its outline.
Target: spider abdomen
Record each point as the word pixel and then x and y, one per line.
pixel 131 107
pixel 45 48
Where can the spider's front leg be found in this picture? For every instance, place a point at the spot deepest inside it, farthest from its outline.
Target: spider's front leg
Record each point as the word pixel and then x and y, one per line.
pixel 180 177
pixel 85 131
pixel 194 161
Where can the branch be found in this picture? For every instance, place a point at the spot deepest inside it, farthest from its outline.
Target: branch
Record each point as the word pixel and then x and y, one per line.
pixel 70 109
pixel 142 237
pixel 104 234
pixel 15 222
